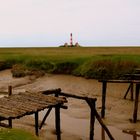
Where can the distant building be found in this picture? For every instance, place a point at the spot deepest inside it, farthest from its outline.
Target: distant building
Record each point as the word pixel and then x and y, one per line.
pixel 77 44
pixel 66 45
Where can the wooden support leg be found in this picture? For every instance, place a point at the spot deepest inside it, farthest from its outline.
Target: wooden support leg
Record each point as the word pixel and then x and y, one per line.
pixel 136 103
pixel 9 94
pixel 92 106
pixel 92 121
pixel 10 123
pixel 36 123
pixel 103 133
pixel 57 119
pixel 45 117
pixel 104 86
pixel 91 103
pixel 57 122
pixel 134 136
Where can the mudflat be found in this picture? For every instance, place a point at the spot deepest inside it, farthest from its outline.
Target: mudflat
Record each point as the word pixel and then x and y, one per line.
pixel 75 120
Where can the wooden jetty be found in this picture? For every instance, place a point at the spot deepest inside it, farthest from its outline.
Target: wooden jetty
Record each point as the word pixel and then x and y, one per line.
pixel 16 106
pixel 132 83
pixel 93 112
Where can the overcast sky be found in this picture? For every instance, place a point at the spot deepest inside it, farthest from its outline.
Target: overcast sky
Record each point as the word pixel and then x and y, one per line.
pixel 50 22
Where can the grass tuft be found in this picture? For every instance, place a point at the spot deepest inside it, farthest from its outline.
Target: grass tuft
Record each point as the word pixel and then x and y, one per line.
pixel 16 134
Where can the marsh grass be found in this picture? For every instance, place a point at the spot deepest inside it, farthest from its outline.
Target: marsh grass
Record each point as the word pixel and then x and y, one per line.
pixel 16 134
pixel 89 62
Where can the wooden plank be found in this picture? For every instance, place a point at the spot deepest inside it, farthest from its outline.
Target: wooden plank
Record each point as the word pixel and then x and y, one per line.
pixel 48 98
pixel 120 81
pixel 29 100
pixel 18 105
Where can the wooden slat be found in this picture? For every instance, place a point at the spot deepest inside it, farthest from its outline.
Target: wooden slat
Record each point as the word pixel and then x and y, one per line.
pixel 18 105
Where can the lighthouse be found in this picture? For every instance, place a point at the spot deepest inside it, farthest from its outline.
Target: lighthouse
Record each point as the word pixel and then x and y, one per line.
pixel 71 40
pixel 71 43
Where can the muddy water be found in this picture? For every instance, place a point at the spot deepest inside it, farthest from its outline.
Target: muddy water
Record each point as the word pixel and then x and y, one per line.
pixel 75 120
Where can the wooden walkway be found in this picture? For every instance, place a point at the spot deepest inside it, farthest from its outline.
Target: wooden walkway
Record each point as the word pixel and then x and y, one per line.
pixel 19 105
pixel 136 100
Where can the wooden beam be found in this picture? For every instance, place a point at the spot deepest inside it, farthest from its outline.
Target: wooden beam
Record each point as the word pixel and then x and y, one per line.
pixel 130 88
pixel 132 91
pixel 4 125
pixel 75 96
pixel 103 125
pixel 127 91
pixel 45 117
pixel 36 124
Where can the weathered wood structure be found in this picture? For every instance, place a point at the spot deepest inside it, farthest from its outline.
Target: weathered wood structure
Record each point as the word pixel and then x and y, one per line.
pixel 93 112
pixel 133 133
pixel 16 106
pixel 132 83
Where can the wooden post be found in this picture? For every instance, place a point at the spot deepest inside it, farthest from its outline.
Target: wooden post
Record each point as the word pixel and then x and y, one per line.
pixel 57 122
pixel 136 103
pixel 57 118
pixel 92 106
pixel 9 94
pixel 10 122
pixel 103 133
pixel 36 123
pixel 9 90
pixel 135 136
pixel 92 121
pixel 104 87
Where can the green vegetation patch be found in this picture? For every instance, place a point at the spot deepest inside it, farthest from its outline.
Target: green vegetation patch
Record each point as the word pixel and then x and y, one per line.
pixel 89 62
pixel 107 69
pixel 16 134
